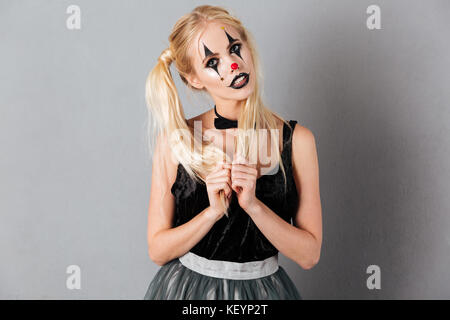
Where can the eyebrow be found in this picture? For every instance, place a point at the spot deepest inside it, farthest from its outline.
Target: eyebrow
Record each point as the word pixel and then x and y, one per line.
pixel 215 53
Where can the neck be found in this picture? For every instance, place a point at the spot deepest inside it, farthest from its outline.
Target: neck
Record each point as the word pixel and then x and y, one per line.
pixel 229 109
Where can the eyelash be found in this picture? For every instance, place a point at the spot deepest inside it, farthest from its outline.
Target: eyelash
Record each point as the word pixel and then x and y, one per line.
pixel 231 49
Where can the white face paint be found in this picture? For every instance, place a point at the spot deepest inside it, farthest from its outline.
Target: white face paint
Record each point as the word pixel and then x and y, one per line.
pixel 215 52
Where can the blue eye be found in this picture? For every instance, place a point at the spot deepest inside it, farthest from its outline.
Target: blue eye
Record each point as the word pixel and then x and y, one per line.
pixel 213 65
pixel 237 50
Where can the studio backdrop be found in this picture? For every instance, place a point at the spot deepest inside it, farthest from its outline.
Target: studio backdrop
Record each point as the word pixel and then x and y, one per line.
pixel 370 79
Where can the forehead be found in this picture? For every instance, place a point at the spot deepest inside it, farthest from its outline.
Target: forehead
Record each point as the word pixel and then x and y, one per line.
pixel 214 37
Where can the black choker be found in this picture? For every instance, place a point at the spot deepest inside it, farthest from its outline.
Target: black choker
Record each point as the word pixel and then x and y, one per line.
pixel 222 122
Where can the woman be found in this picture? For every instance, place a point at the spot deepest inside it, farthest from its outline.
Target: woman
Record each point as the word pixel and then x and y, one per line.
pixel 218 214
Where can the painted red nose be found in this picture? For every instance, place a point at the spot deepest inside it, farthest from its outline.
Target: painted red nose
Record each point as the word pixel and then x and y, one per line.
pixel 234 66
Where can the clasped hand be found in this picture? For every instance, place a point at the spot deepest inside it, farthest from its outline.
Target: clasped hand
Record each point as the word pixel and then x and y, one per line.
pixel 243 181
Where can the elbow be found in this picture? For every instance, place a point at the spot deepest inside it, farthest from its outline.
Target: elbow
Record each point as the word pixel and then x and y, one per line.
pixel 154 252
pixel 155 258
pixel 309 263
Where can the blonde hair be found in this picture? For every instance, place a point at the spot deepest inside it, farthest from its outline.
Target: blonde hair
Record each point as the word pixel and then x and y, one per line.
pixel 165 112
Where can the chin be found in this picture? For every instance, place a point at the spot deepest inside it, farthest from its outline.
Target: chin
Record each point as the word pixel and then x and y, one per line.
pixel 244 93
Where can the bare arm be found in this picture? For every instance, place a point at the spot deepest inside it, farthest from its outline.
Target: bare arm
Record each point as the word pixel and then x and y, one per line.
pixel 164 242
pixel 302 242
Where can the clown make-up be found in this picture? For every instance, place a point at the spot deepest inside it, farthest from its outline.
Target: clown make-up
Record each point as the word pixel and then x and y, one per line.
pixel 233 45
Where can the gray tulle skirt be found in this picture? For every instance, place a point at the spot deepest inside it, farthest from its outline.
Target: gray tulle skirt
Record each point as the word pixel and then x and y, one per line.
pixel 174 281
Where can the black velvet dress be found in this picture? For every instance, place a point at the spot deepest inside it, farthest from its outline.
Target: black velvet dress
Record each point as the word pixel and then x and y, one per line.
pixel 235 239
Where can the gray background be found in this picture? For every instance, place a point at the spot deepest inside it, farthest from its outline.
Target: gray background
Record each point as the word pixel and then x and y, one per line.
pixel 75 179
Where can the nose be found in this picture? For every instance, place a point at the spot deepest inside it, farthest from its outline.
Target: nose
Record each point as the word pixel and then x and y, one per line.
pixel 234 66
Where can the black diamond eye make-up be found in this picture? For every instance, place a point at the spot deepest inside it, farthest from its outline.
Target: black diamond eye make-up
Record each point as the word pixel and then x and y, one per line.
pixel 237 50
pixel 207 54
pixel 231 40
pixel 233 45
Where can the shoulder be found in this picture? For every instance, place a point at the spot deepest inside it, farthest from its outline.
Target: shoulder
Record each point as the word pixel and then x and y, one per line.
pixel 303 145
pixel 302 135
pixel 163 159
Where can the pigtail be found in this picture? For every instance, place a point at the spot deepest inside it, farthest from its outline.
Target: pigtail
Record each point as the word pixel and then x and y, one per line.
pixel 166 117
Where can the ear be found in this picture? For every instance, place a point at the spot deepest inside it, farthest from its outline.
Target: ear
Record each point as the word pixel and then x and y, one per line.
pixel 193 81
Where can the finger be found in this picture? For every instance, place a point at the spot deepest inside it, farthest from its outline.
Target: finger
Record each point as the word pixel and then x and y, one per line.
pixel 222 173
pixel 235 185
pixel 243 168
pixel 217 187
pixel 243 175
pixel 240 183
pixel 224 167
pixel 227 190
pixel 219 179
pixel 218 173
pixel 225 187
